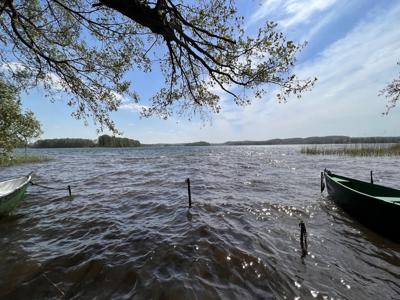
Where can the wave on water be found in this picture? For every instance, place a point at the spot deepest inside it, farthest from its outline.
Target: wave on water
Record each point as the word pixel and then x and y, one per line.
pixel 128 233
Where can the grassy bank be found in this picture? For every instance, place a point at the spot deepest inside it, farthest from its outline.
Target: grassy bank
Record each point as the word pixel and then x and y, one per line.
pixel 21 159
pixel 354 150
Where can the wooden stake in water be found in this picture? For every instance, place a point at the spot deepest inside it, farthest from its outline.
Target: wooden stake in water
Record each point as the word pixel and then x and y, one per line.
pixel 189 193
pixel 69 191
pixel 372 178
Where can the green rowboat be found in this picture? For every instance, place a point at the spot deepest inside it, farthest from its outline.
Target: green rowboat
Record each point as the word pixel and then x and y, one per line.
pixel 376 206
pixel 12 192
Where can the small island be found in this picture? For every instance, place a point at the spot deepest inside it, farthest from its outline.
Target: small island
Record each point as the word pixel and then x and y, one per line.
pixel 102 141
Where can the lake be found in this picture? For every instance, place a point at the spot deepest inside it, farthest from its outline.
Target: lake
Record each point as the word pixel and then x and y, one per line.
pixel 128 233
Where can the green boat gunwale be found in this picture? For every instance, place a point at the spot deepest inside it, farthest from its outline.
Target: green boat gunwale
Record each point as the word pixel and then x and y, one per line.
pixel 332 176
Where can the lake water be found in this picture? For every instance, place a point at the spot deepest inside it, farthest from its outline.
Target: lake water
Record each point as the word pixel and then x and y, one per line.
pixel 128 232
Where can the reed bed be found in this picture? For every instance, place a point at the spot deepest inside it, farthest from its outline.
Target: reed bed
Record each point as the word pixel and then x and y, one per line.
pixel 6 161
pixel 354 150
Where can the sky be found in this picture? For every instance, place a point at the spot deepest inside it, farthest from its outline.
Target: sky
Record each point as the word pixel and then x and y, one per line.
pixel 353 49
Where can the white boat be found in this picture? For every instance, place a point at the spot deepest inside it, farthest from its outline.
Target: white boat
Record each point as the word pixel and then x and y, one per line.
pixel 12 192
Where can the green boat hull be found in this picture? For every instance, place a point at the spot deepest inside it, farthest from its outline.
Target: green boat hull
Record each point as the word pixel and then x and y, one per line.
pixel 375 206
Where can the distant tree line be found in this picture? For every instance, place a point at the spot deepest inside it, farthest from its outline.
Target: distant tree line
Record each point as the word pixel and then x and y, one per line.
pixel 320 140
pixel 201 143
pixel 112 141
pixel 103 141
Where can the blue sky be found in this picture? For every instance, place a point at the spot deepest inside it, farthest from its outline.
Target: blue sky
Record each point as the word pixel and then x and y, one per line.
pixel 353 48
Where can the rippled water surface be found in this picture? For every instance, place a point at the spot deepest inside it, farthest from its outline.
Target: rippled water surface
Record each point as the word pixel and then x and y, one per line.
pixel 128 234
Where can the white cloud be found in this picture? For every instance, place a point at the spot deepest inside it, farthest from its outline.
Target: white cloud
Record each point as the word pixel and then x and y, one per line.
pixel 132 106
pixel 12 66
pixel 300 11
pixel 53 80
pixel 290 12
pixel 119 97
pixel 351 72
pixel 266 8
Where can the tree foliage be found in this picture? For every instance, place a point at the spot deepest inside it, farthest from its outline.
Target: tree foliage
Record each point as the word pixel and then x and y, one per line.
pixel 16 127
pixel 64 143
pixel 86 48
pixel 392 93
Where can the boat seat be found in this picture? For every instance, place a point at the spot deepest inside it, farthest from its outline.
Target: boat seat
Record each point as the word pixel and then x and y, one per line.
pixel 341 180
pixel 390 199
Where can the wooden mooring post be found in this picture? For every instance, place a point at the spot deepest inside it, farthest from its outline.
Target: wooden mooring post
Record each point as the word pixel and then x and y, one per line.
pixel 189 192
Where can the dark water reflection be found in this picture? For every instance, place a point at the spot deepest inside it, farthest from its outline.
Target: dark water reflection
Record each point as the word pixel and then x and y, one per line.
pixel 127 233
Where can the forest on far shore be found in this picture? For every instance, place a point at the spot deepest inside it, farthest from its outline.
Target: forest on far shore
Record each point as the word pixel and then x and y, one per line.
pixel 112 141
pixel 102 141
